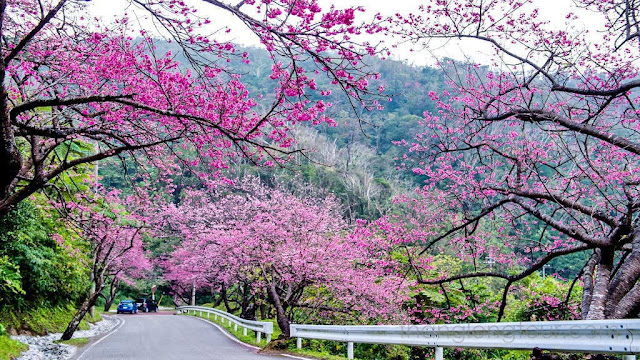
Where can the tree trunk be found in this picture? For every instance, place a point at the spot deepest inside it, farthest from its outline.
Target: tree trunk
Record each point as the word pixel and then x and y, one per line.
pixel 587 279
pixel 247 305
pixel 623 287
pixel 281 314
pixel 92 290
pixel 193 295
pixel 217 300
pixel 223 295
pixel 248 312
pixel 10 159
pixel 263 311
pixel 629 306
pixel 115 284
pixel 77 318
pixel 601 286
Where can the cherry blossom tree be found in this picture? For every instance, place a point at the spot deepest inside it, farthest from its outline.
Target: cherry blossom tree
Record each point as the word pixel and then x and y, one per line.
pixel 69 82
pixel 115 240
pixel 541 145
pixel 294 252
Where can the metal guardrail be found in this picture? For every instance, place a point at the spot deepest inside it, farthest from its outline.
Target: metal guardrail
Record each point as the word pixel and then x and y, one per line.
pixel 260 327
pixel 595 336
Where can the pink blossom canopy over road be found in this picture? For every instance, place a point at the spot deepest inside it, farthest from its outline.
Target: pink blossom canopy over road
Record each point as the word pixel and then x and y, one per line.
pixel 542 144
pixel 115 240
pixel 296 250
pixel 66 79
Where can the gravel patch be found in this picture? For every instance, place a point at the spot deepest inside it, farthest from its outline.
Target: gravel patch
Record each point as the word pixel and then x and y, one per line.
pixel 44 348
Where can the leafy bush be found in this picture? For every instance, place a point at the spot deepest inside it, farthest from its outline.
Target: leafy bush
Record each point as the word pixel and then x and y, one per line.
pixel 540 299
pixel 43 319
pixel 10 279
pixel 36 267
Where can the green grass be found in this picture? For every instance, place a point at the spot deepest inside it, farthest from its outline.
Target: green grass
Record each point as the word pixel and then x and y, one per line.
pixel 316 354
pixel 250 338
pixel 9 348
pixel 42 320
pixel 78 342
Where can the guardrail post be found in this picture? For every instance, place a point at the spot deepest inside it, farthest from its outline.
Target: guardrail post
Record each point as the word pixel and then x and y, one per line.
pixel 200 312
pixel 439 353
pixel 244 331
pixel 258 336
pixel 299 343
pixel 350 350
pixel 235 327
pixel 215 317
pixel 268 338
pixel 629 357
pixel 208 313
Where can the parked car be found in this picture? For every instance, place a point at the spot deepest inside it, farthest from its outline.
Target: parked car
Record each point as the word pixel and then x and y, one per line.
pixel 127 306
pixel 147 305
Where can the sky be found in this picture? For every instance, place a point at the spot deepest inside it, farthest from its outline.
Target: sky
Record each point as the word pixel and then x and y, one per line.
pixel 552 10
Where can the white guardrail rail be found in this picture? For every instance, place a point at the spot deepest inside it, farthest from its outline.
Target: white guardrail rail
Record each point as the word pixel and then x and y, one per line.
pixel 260 327
pixel 594 336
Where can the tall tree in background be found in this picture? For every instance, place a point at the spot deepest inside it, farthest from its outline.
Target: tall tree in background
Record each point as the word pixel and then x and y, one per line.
pixel 67 81
pixel 542 143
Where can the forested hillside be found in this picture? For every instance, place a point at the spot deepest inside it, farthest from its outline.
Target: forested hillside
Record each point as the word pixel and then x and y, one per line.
pixel 356 158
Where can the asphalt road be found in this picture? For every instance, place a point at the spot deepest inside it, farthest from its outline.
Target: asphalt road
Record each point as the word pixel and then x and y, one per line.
pixel 157 336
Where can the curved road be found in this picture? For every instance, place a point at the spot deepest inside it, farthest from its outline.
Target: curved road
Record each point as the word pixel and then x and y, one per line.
pixel 163 336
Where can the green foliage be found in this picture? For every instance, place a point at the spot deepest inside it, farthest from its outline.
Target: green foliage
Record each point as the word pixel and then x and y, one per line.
pixel 42 320
pixel 40 270
pixel 10 349
pixel 10 279
pixel 540 299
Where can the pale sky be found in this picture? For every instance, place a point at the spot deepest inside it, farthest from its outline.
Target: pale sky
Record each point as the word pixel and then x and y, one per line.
pixel 553 10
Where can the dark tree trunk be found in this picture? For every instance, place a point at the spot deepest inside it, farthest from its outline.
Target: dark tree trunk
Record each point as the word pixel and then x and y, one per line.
pixel 77 318
pixel 10 159
pixel 281 313
pixel 225 299
pixel 263 311
pixel 249 312
pixel 247 305
pixel 115 284
pixel 217 300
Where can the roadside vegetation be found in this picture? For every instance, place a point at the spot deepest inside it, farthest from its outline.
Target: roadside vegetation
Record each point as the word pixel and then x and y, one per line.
pixel 41 320
pixel 9 348
pixel 77 342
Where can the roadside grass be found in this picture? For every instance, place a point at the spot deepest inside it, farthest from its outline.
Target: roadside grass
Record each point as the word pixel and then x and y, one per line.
pixel 250 338
pixel 43 320
pixel 10 349
pixel 78 342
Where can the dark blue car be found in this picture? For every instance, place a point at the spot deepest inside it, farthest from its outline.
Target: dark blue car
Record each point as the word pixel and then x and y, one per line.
pixel 127 306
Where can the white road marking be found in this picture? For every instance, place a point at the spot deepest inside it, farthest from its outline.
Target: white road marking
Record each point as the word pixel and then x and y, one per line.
pixel 102 338
pixel 227 334
pixel 224 331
